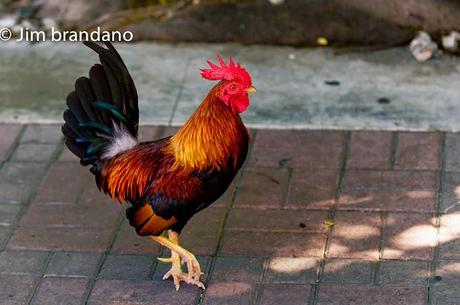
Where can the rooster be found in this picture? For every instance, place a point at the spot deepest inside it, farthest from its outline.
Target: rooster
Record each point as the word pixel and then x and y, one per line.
pixel 166 181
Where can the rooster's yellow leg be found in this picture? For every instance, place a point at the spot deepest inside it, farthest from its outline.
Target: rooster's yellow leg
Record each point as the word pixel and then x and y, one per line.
pixel 177 252
pixel 176 270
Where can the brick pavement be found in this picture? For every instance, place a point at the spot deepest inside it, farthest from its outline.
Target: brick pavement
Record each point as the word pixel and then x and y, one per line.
pixel 314 218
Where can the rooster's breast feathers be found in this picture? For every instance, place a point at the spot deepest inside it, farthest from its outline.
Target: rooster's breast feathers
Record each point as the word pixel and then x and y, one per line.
pixel 161 194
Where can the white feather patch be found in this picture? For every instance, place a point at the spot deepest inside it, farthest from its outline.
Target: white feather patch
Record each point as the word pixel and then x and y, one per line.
pixel 122 141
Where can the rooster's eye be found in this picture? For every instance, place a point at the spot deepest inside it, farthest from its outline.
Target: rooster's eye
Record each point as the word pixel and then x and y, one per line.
pixel 233 87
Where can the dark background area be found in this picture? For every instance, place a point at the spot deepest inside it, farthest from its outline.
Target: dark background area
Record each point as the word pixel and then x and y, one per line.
pixel 288 22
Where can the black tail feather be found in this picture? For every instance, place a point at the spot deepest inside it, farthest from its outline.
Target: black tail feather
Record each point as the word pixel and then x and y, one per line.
pixel 73 103
pixel 124 92
pixel 107 98
pixel 86 97
pixel 72 123
pixel 101 88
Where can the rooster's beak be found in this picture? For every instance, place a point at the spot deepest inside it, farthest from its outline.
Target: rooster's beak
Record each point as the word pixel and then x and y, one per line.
pixel 251 89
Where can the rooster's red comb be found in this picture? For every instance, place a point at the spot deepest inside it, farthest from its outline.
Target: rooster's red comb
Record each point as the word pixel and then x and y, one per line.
pixel 232 72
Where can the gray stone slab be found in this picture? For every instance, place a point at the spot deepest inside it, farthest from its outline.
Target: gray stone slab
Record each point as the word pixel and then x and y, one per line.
pixel 22 262
pixel 8 213
pixel 239 269
pixel 13 192
pixel 22 172
pixel 125 267
pixel 42 133
pixel 73 264
pixel 293 88
pixel 33 152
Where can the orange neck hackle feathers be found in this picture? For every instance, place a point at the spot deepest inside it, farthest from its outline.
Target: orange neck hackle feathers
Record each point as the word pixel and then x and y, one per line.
pixel 210 136
pixel 215 134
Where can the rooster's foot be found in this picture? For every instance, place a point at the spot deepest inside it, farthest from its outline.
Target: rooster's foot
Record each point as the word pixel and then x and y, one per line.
pixel 178 257
pixel 194 271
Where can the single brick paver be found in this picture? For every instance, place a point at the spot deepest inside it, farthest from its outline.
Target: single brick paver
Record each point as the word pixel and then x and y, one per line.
pixel 319 149
pixel 382 200
pixel 68 291
pixel 34 152
pixel 355 235
pixel 452 152
pixel 388 190
pixel 449 233
pixel 445 295
pixel 141 292
pixel 42 133
pixel 409 237
pixel 390 180
pixel 70 215
pixel 330 294
pixel 297 270
pixel 22 172
pixel 239 269
pixel 64 183
pixel 348 271
pixel 125 267
pixel 313 189
pixel 273 244
pixel 230 293
pixel 22 262
pixel 407 273
pixel 73 264
pixel 418 151
pixel 16 289
pixel 276 294
pixel 60 239
pixel 8 213
pixel 14 192
pixel 9 133
pixel 280 220
pixel 263 187
pixel 370 149
pixel 315 217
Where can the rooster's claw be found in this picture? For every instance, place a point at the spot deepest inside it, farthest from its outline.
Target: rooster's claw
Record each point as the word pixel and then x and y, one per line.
pixel 165 259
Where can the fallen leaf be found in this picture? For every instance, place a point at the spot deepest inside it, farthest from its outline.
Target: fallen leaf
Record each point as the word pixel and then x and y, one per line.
pixel 322 41
pixel 329 223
